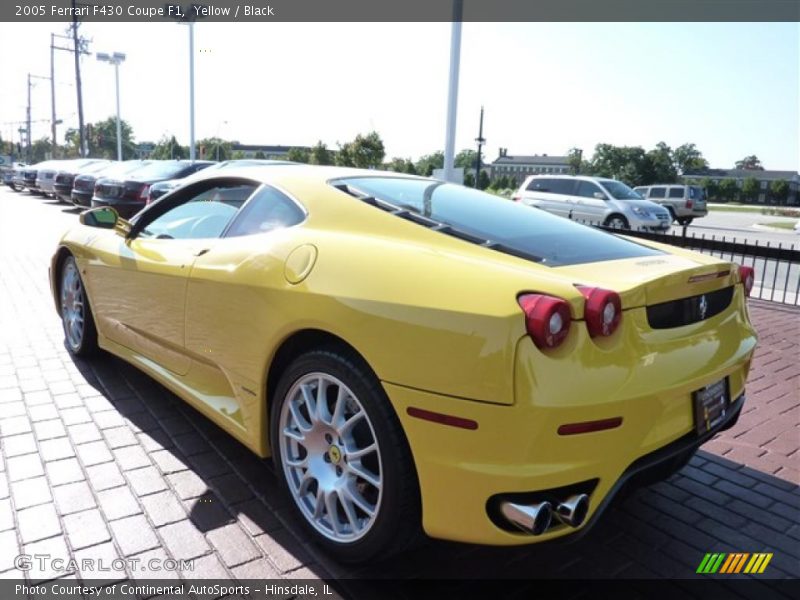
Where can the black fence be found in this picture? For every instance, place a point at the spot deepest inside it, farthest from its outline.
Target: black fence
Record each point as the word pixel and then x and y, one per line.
pixel 777 267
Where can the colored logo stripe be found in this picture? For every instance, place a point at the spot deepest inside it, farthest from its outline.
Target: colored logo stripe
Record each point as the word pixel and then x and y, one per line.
pixel 721 562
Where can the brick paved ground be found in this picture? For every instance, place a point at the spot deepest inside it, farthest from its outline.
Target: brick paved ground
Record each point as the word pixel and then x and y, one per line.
pixel 100 461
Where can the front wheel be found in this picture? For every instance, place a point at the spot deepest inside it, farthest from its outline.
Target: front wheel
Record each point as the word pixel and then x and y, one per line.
pixel 76 316
pixel 617 222
pixel 342 457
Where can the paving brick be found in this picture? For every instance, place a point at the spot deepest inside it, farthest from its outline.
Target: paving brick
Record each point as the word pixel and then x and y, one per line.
pixel 191 443
pixel 187 484
pixel 119 437
pixel 283 550
pixel 752 496
pixel 791 498
pixel 105 476
pixel 231 488
pixel 63 401
pixel 132 457
pixel 256 517
pixel 54 548
pixel 73 416
pixel 118 503
pixel 73 497
pixel 31 492
pixel 257 569
pixel 46 430
pixel 24 467
pixel 84 432
pixel 168 461
pixel 38 522
pixel 208 512
pixel 4 491
pixel 91 559
pixel 134 535
pixel 206 567
pixel 94 453
pixel 86 529
pixel 14 426
pixel 154 558
pixel 6 515
pixel 9 550
pixel 16 445
pixel 43 412
pixel 233 545
pixel 109 419
pixel 183 540
pixel 208 465
pixel 36 393
pixel 64 471
pixel 56 449
pixel 163 508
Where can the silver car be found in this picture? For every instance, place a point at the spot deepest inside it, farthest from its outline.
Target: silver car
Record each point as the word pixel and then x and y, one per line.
pixel 594 200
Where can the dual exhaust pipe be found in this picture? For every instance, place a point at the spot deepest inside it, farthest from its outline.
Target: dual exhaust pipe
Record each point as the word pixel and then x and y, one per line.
pixel 536 518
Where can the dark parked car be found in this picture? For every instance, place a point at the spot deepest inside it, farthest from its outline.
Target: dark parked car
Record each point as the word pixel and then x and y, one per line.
pixel 162 187
pixel 12 175
pixel 62 185
pixel 46 177
pixel 30 173
pixel 83 184
pixel 128 195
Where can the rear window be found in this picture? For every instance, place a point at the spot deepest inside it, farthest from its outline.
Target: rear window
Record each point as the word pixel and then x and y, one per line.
pixel 676 192
pixel 160 170
pixel 658 192
pixel 697 193
pixel 552 240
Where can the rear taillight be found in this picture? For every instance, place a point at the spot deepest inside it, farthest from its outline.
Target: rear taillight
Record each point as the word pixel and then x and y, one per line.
pixel 547 319
pixel 602 312
pixel 688 204
pixel 747 275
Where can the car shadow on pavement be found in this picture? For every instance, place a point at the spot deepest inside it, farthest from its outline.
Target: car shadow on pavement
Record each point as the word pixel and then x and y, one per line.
pixel 232 499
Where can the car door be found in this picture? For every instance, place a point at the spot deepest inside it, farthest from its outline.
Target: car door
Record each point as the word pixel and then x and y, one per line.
pixel 590 205
pixel 234 299
pixel 138 284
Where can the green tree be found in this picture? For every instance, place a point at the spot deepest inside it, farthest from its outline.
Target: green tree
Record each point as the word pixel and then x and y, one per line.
pixel 625 163
pixel 320 155
pixel 238 155
pixel 102 139
pixel 259 154
pixel 299 155
pixel 750 189
pixel 214 148
pixel 429 162
pixel 728 190
pixel 661 168
pixel 169 148
pixel 483 180
pixel 750 163
pixel 779 191
pixel 401 165
pixel 465 159
pixel 469 179
pixel 687 157
pixel 365 151
pixel 711 188
pixel 41 149
pixel 575 160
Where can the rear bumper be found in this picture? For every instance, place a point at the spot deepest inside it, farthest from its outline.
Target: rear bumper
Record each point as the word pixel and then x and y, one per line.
pixel 516 450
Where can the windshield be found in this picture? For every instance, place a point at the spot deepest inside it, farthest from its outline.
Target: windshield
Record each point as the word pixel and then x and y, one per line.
pixel 697 193
pixel 161 170
pixel 619 190
pixel 555 241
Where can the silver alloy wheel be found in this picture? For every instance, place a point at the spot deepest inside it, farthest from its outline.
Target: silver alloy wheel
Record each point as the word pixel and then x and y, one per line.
pixel 617 223
pixel 72 305
pixel 330 457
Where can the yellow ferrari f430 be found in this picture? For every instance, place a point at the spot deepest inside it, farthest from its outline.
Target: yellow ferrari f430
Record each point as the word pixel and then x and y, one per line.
pixel 415 356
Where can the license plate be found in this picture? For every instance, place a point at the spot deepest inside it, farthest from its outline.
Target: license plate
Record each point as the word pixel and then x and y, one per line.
pixel 710 405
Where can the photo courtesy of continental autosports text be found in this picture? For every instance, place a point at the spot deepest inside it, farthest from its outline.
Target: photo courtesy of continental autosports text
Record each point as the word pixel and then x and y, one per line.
pixel 395 300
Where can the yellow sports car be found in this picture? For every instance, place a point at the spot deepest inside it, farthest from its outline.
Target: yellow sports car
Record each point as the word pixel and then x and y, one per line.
pixel 415 355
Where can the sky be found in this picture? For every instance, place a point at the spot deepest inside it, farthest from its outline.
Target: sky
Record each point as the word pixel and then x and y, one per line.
pixel 733 89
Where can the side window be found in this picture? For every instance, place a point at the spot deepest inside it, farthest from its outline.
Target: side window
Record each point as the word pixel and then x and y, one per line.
pixel 203 215
pixel 587 189
pixel 642 191
pixel 268 209
pixel 676 192
pixel 562 186
pixel 658 192
pixel 540 185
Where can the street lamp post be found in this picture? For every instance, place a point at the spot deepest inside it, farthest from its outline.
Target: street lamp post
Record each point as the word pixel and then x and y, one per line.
pixel 115 59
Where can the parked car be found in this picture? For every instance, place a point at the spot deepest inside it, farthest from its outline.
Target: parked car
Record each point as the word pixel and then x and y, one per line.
pixel 12 175
pixel 46 176
pixel 129 194
pixel 30 176
pixel 412 353
pixel 62 183
pixel 685 203
pixel 83 184
pixel 592 200
pixel 162 187
pixel 18 181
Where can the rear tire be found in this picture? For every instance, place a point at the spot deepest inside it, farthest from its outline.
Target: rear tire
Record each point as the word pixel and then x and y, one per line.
pixel 685 221
pixel 80 333
pixel 344 462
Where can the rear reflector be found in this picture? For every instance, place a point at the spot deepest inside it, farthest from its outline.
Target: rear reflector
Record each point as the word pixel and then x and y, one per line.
pixel 441 418
pixel 589 426
pixel 748 277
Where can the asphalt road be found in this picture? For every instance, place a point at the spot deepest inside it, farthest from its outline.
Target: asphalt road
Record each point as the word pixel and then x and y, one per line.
pixel 744 226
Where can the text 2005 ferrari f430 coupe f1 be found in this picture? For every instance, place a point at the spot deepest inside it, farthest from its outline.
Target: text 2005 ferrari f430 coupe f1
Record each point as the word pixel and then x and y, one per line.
pixel 415 356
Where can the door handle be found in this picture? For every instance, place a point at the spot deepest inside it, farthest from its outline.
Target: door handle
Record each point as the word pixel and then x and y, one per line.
pixel 201 252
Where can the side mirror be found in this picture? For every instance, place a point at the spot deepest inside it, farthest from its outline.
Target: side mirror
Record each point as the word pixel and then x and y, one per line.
pixel 600 196
pixel 104 217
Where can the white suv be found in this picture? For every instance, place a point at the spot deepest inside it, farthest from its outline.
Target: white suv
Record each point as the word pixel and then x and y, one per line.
pixel 684 202
pixel 593 200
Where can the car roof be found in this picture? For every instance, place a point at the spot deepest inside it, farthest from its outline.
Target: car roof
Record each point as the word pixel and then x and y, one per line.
pixel 317 173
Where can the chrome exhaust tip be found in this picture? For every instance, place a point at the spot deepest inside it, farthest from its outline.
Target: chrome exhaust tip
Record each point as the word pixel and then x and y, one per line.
pixel 533 519
pixel 573 510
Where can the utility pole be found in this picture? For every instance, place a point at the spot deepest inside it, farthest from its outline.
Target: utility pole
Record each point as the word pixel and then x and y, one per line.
pixel 481 141
pixel 82 152
pixel 28 123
